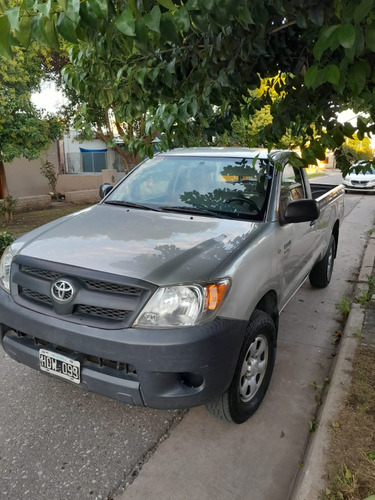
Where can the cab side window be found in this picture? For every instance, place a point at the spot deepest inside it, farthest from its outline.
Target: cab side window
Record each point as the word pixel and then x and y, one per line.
pixel 292 187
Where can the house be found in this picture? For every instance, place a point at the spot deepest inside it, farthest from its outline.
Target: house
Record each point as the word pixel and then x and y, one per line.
pixel 81 169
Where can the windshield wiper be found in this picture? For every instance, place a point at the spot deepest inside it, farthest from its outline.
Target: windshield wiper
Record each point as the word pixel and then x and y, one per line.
pixel 133 205
pixel 198 211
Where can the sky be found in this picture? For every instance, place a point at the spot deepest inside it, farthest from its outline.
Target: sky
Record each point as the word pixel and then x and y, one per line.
pixel 49 98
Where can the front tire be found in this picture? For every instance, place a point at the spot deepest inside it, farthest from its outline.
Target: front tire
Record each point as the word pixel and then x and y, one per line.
pixel 321 273
pixel 253 372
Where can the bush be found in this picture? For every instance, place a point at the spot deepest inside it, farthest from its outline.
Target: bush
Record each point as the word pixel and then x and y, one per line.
pixel 5 240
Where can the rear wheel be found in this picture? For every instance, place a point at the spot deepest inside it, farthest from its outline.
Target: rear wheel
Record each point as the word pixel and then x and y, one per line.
pixel 253 372
pixel 321 273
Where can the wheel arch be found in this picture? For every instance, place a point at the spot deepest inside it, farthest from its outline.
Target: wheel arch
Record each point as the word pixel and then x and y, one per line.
pixel 335 233
pixel 269 304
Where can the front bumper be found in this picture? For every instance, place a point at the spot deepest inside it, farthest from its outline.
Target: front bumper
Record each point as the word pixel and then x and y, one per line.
pixel 171 368
pixel 359 188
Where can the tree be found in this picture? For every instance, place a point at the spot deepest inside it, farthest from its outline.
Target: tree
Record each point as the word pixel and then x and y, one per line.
pixel 23 131
pixel 246 127
pixel 357 150
pixel 184 68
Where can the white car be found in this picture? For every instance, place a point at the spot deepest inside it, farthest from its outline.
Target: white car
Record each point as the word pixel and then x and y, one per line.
pixel 360 182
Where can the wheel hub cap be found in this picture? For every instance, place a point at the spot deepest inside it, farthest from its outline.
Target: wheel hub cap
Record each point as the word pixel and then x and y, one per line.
pixel 253 368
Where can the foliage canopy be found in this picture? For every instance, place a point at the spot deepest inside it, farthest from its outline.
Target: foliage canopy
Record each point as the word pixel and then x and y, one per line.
pixel 23 130
pixel 183 68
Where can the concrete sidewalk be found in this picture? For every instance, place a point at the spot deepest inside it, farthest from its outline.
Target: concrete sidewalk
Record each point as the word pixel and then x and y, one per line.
pixel 205 458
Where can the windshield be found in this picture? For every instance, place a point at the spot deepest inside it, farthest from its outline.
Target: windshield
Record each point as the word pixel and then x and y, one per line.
pixel 370 170
pixel 233 187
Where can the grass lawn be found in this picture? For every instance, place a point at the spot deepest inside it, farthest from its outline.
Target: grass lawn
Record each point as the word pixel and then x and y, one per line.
pixel 26 221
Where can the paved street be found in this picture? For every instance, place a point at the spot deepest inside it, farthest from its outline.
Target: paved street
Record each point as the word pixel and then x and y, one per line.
pixel 58 442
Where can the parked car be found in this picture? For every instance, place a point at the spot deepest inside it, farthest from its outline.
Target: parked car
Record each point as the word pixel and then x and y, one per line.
pixel 360 182
pixel 168 293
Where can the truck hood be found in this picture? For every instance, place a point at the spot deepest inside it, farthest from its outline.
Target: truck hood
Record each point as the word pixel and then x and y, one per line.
pixel 162 248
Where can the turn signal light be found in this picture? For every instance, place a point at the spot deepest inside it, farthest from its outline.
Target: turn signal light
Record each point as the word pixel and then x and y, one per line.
pixel 214 295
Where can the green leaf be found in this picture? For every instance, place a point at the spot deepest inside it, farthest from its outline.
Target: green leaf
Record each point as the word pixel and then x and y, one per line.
pixel 193 107
pixel 348 129
pixel 4 37
pixel 301 20
pixel 66 28
pixel 125 22
pixel 140 75
pixel 168 4
pixel 296 161
pixel 207 5
pixel 222 79
pixel 44 8
pixel 318 150
pixel 100 7
pixel 152 19
pixel 357 77
pixel 88 16
pixel 326 36
pixel 370 37
pixel 309 156
pixel 346 36
pixel 171 68
pixel 38 30
pixel 337 136
pixel 141 33
pixel 310 76
pixel 168 29
pixel 13 15
pixel 316 15
pixel 371 457
pixel 182 19
pixel 51 33
pixel 361 11
pixel 23 34
pixel 332 74
pixel 72 10
pixel 244 16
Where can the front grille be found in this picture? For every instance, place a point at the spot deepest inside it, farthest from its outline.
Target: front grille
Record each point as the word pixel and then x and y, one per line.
pixel 359 183
pixel 113 288
pixel 102 312
pixel 103 300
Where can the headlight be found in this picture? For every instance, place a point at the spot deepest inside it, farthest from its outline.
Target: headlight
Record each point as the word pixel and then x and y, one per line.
pixel 5 264
pixel 182 305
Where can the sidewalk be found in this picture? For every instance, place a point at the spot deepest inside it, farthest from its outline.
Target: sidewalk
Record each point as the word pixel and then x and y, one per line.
pixel 205 458
pixel 311 478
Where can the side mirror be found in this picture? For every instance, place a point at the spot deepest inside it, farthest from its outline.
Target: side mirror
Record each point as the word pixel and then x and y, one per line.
pixel 104 190
pixel 301 211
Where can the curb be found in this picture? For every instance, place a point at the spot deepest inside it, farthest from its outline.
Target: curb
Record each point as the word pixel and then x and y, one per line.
pixel 310 480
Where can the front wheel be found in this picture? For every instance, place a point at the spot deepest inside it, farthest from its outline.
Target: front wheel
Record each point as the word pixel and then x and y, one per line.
pixel 253 372
pixel 321 273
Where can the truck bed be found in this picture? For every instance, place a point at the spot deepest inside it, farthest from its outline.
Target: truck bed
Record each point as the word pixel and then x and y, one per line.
pixel 318 190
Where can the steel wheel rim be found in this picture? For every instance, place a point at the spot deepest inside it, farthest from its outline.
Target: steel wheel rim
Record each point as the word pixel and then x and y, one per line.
pixel 254 368
pixel 330 263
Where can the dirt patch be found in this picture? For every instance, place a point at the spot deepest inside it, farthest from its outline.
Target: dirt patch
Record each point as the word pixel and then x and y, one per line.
pixel 26 221
pixel 351 470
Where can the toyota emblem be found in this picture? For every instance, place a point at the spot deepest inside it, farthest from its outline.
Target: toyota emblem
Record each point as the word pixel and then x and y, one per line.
pixel 62 290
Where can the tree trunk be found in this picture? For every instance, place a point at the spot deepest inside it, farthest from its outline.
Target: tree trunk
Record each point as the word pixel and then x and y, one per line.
pixel 4 184
pixel 122 153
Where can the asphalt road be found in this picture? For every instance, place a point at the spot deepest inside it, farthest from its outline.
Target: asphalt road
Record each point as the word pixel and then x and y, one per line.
pixel 58 442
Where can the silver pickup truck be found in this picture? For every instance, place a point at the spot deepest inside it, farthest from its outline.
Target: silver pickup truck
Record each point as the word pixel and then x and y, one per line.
pixel 168 292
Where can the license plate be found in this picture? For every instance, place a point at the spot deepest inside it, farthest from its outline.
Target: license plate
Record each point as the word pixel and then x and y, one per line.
pixel 59 365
